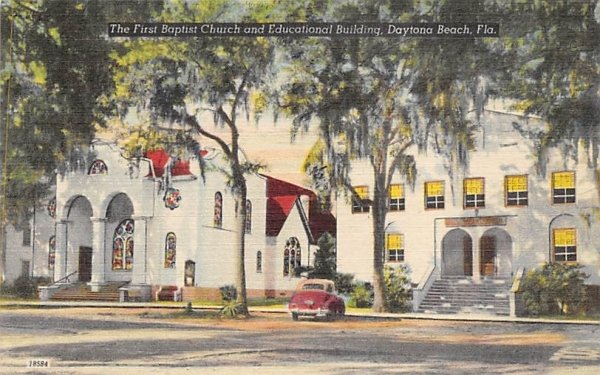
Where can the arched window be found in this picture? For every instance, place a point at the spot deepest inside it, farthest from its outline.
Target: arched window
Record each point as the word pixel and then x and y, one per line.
pixel 258 261
pixel 52 207
pixel 248 216
pixel 292 257
pixel 122 256
pixel 218 217
pixel 51 252
pixel 98 167
pixel 170 250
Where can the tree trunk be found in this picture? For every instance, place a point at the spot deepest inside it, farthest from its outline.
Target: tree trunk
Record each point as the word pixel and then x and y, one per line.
pixel 240 195
pixel 379 213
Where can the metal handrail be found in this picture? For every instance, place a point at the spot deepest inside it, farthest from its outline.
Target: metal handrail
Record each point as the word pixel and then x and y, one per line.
pixel 66 278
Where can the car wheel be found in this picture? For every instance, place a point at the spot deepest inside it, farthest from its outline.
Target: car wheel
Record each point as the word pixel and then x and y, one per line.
pixel 342 312
pixel 294 316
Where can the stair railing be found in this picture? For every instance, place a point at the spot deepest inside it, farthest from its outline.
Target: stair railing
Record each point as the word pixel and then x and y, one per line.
pixel 64 279
pixel 46 291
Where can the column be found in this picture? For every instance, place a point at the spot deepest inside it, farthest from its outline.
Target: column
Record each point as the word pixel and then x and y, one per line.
pixel 139 250
pixel 60 260
pixel 476 235
pixel 98 252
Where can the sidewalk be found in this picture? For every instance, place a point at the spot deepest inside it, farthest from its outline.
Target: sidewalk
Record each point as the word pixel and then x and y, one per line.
pixel 279 310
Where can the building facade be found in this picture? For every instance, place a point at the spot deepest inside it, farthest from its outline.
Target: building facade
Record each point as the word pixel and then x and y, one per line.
pixel 155 221
pixel 500 217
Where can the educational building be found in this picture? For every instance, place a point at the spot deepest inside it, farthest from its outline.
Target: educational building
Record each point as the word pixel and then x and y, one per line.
pixel 485 226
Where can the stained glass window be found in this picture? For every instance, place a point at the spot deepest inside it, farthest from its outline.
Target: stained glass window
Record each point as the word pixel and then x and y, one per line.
pixel 397 202
pixel 474 192
pixel 517 190
pixel 258 261
pixel 292 257
pixel 218 216
pixel 52 207
pixel 358 204
pixel 98 167
pixel 170 250
pixel 563 187
pixel 122 255
pixel 51 252
pixel 248 216
pixel 434 194
pixel 565 244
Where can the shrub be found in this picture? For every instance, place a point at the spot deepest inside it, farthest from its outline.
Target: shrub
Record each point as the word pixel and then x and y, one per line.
pixel 398 288
pixel 344 283
pixel 228 293
pixel 361 295
pixel 554 289
pixel 24 287
pixel 230 308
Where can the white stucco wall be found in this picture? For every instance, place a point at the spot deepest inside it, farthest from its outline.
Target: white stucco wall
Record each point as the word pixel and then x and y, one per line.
pixel 504 152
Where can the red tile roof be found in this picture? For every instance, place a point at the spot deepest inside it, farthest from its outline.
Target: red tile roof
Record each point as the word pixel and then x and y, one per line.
pixel 160 158
pixel 281 197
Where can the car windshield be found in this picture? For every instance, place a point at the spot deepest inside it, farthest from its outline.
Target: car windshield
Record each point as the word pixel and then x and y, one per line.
pixel 313 287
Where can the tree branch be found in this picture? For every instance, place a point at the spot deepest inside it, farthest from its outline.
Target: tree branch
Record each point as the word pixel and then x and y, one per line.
pixel 193 122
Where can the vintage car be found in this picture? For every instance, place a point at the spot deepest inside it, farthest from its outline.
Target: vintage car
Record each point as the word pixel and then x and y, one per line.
pixel 316 298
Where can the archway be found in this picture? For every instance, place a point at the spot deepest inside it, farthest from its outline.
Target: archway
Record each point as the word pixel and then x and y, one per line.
pixel 495 253
pixel 119 242
pixel 79 238
pixel 457 254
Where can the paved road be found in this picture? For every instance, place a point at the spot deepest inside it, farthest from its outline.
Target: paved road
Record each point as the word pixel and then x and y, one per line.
pixel 99 341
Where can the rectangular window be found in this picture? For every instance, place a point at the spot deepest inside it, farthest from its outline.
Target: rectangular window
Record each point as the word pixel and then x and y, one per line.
pixel 474 192
pixel 563 187
pixel 394 247
pixel 27 236
pixel 434 194
pixel 516 188
pixel 397 197
pixel 565 245
pixel 358 205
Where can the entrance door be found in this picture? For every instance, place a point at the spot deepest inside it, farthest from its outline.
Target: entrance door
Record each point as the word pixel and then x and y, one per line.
pixel 85 264
pixel 488 256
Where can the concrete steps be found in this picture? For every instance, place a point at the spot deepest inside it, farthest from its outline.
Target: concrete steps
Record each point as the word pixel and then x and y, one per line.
pixel 454 295
pixel 82 292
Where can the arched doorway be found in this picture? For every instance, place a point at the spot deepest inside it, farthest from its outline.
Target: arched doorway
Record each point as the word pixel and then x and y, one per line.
pixel 119 234
pixel 495 253
pixel 457 254
pixel 79 239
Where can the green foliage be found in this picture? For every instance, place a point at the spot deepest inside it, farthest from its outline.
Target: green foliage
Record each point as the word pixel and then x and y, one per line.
pixel 398 288
pixel 231 308
pixel 325 259
pixel 344 283
pixel 228 293
pixel 24 287
pixel 555 288
pixel 361 295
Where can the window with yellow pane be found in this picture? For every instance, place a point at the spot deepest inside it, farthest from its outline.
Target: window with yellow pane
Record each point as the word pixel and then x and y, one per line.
pixel 474 192
pixel 358 204
pixel 563 187
pixel 394 247
pixel 397 202
pixel 434 194
pixel 564 241
pixel 516 188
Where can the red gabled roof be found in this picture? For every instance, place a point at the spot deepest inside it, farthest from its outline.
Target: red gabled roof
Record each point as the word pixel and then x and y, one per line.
pixel 160 158
pixel 281 197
